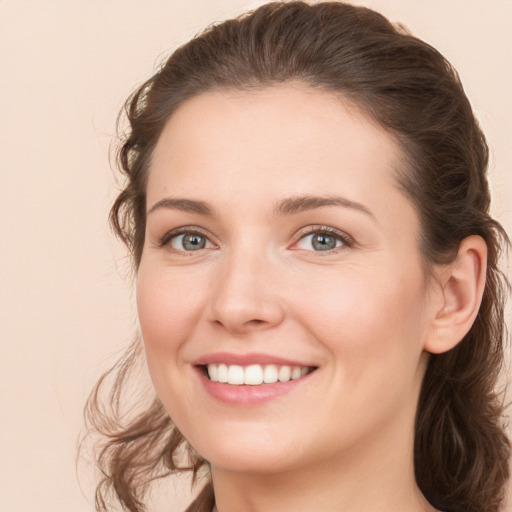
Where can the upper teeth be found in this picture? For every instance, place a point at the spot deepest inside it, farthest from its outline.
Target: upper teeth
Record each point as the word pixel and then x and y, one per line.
pixel 254 374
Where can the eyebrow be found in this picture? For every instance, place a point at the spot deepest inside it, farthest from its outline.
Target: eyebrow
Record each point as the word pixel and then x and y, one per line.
pixel 185 205
pixel 288 206
pixel 299 204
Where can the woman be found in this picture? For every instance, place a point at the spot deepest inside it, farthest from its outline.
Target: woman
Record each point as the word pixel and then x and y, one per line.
pixel 318 287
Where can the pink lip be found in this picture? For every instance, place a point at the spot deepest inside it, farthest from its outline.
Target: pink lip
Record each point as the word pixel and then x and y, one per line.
pixel 245 359
pixel 245 395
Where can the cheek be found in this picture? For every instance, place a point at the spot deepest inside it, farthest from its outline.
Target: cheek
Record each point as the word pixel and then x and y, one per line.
pixel 168 305
pixel 369 321
pixel 168 310
pixel 373 327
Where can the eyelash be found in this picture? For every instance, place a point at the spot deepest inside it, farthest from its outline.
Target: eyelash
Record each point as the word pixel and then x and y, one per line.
pixel 166 239
pixel 345 239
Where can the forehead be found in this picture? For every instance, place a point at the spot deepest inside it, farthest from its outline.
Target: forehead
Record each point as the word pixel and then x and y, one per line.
pixel 281 140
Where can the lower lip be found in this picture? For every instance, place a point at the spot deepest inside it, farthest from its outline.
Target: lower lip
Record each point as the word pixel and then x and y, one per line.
pixel 247 395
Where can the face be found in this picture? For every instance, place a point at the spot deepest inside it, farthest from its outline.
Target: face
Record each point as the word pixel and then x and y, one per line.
pixel 280 256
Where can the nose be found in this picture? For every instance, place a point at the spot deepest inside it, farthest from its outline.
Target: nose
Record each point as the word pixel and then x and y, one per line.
pixel 246 295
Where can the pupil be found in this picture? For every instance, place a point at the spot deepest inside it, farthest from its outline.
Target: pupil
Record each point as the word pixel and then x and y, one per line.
pixel 323 242
pixel 193 242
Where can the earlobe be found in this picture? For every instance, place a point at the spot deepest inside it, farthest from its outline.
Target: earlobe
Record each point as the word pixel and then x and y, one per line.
pixel 462 285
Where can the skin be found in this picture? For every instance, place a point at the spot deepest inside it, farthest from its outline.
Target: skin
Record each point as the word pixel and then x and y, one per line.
pixel 364 314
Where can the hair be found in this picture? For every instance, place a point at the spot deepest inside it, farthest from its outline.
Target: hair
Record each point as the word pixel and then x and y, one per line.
pixel 461 451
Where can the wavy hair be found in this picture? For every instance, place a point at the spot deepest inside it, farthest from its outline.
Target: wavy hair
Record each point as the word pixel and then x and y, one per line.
pixel 461 449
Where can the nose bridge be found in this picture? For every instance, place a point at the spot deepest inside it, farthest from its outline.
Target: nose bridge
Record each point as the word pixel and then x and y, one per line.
pixel 245 296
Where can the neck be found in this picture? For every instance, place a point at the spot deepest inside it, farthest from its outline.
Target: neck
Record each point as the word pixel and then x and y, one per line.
pixel 306 492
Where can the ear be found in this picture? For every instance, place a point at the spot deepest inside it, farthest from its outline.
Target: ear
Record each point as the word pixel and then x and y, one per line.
pixel 462 285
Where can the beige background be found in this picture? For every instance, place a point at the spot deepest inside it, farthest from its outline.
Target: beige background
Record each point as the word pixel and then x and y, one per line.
pixel 66 67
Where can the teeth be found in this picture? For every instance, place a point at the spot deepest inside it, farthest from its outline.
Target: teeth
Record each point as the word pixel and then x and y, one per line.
pixel 254 374
pixel 285 374
pixel 270 374
pixel 235 374
pixel 222 373
pixel 296 372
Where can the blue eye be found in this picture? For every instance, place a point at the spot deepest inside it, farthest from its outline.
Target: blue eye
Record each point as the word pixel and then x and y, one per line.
pixel 191 241
pixel 322 240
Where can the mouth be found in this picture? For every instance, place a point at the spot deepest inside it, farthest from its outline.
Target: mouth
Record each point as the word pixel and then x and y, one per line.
pixel 253 374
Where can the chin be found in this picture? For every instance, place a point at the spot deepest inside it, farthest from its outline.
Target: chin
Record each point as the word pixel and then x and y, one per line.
pixel 248 454
pixel 251 463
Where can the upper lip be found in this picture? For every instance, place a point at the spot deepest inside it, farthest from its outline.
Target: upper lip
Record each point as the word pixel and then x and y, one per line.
pixel 246 359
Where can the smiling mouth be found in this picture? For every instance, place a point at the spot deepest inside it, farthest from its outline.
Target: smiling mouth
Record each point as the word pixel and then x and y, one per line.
pixel 254 374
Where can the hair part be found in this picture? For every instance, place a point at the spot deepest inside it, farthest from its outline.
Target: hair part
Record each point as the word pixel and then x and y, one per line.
pixel 409 88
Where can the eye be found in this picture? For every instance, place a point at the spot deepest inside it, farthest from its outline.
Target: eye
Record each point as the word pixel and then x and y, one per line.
pixel 323 240
pixel 187 241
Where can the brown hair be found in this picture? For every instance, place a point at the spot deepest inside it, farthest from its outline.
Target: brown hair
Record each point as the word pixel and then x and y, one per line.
pixel 461 450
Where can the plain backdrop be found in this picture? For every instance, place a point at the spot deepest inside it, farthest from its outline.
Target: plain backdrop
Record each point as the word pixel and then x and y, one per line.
pixel 66 300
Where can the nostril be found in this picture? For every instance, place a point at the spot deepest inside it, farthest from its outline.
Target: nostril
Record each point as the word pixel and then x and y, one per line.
pixel 255 322
pixel 249 323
